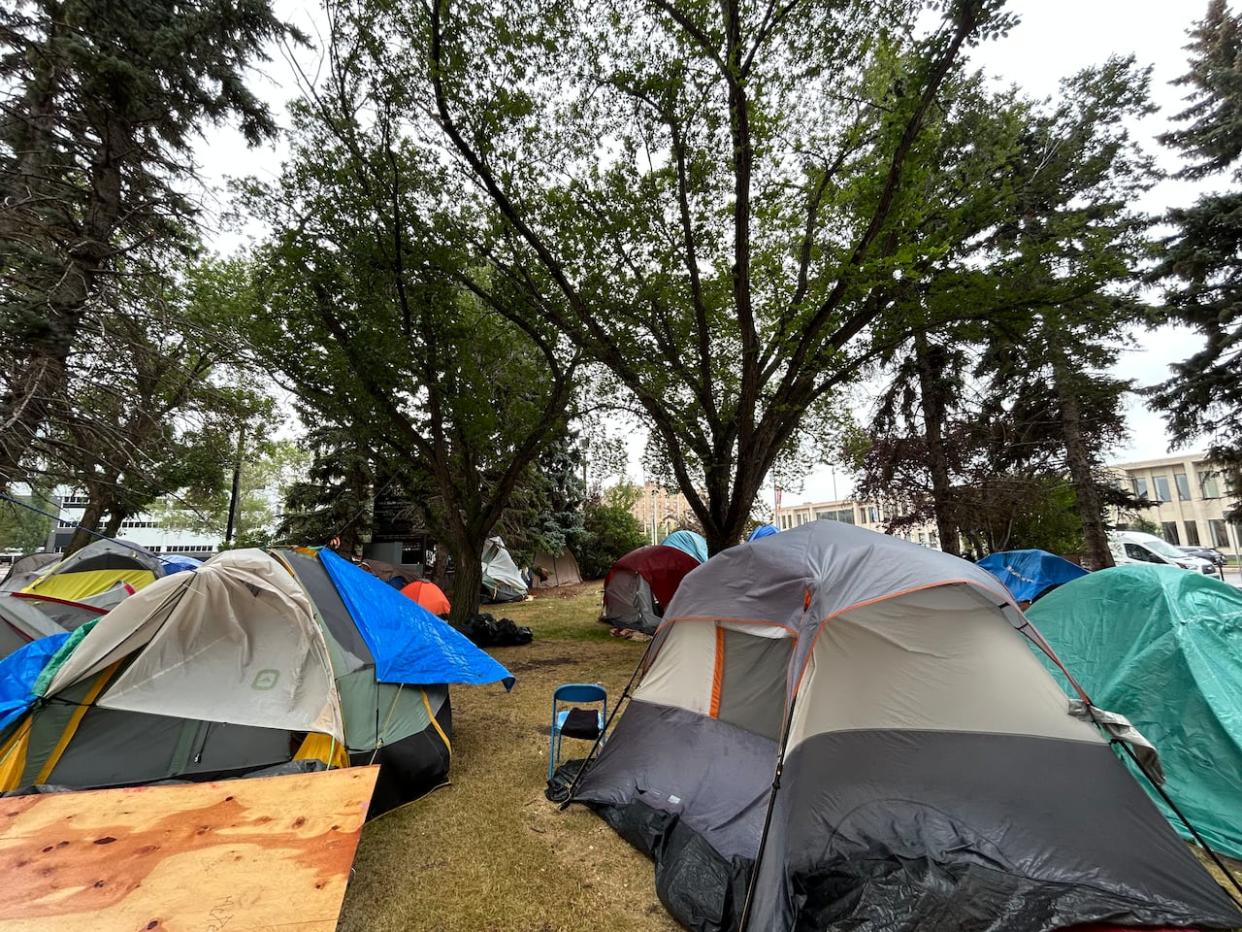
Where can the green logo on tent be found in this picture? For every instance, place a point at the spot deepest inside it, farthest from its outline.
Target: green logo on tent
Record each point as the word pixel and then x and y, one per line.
pixel 265 679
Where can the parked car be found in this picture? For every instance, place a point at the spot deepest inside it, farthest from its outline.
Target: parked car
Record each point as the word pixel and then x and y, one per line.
pixel 1137 547
pixel 1211 554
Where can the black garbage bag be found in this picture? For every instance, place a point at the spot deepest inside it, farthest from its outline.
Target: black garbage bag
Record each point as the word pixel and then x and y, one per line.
pixel 486 631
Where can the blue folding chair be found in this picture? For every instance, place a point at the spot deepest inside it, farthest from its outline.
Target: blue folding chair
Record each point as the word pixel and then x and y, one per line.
pixel 585 724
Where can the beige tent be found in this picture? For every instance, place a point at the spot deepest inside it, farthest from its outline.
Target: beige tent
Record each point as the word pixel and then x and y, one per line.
pixel 215 672
pixel 550 572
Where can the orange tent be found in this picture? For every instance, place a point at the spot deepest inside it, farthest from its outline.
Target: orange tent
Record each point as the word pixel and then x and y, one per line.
pixel 428 595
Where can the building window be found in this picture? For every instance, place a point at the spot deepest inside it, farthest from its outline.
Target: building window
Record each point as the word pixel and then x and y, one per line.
pixel 1209 486
pixel 802 518
pixel 1162 489
pixel 1192 533
pixel 1183 486
pixel 1170 532
pixel 825 515
pixel 1220 536
pixel 1140 486
pixel 873 514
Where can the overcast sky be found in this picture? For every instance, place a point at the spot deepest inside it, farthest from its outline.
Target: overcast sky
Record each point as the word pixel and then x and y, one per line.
pixel 1054 39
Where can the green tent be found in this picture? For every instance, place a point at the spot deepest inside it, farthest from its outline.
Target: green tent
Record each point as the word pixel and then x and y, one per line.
pixel 1163 647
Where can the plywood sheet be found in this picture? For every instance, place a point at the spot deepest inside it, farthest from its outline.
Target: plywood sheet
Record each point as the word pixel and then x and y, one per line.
pixel 233 856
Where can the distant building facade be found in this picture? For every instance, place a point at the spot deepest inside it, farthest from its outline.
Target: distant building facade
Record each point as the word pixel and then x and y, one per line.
pixel 145 530
pixel 662 511
pixel 863 514
pixel 1190 501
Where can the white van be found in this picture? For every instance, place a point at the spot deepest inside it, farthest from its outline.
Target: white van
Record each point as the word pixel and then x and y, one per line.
pixel 1137 547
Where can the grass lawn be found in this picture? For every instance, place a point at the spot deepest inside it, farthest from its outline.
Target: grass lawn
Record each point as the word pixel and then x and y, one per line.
pixel 488 852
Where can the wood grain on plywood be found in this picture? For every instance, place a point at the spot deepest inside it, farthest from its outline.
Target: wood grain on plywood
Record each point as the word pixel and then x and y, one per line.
pixel 231 856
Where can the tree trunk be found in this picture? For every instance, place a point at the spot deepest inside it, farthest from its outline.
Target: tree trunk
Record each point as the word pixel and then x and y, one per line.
pixel 1079 462
pixel 95 509
pixel 116 518
pixel 467 582
pixel 930 363
pixel 439 574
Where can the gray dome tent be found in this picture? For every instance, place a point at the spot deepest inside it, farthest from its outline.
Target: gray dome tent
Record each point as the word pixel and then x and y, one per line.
pixel 929 772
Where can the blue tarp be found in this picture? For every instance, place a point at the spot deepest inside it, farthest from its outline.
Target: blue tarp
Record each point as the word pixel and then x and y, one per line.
pixel 19 672
pixel 762 531
pixel 410 645
pixel 176 563
pixel 687 542
pixel 1027 574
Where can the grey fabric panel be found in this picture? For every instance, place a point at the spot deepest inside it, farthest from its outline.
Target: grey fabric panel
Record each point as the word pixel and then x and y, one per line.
pixel 112 747
pixel 752 692
pixel 314 578
pixel 10 639
pixel 905 830
pixel 839 565
pixel 239 747
pixel 47 724
pixel 628 603
pixel 384 713
pixel 26 616
pixel 713 775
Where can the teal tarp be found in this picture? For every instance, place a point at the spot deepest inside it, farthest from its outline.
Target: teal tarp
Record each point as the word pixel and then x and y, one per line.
pixel 1163 647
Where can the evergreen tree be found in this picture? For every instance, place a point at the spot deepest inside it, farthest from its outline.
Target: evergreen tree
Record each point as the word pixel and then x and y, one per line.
pixel 100 103
pixel 1202 263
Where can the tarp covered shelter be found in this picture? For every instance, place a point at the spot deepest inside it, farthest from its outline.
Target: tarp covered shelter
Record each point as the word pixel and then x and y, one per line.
pixel 550 572
pixel 429 596
pixel 1163 647
pixel 688 542
pixel 1029 574
pixel 502 580
pixel 931 774
pixel 25 569
pixel 215 673
pixel 100 569
pixel 641 584
pixel 762 531
pixel 394 662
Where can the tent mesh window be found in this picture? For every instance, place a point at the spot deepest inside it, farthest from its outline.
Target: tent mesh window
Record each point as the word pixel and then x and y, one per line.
pixel 751 674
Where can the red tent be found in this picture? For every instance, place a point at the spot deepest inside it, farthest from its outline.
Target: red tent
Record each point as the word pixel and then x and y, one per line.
pixel 428 595
pixel 641 584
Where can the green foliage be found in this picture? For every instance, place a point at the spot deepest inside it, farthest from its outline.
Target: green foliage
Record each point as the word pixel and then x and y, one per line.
pixel 366 302
pixel 545 514
pixel 983 410
pixel 20 528
pixel 1202 263
pixel 711 200
pixel 610 530
pixel 102 104
pixel 337 496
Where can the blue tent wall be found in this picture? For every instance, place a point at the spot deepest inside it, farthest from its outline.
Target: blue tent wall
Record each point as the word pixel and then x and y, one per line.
pixel 762 531
pixel 409 644
pixel 20 671
pixel 687 542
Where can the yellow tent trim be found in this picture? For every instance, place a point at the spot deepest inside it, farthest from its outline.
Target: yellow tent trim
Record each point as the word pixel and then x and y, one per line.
pixel 74 587
pixel 434 723
pixel 71 727
pixel 13 756
pixel 318 746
